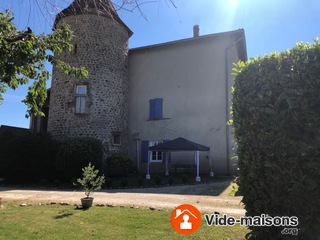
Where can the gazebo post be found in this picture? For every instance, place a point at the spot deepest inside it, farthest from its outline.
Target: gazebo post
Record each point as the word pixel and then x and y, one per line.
pixel 148 165
pixel 210 164
pixel 167 160
pixel 196 154
pixel 179 144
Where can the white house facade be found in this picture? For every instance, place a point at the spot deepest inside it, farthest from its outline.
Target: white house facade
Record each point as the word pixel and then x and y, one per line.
pixel 136 98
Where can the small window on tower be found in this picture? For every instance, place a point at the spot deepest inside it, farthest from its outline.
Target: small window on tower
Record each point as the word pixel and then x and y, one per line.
pixel 116 138
pixel 81 97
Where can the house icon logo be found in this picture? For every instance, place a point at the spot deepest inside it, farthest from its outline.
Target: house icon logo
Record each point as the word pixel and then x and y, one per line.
pixel 185 219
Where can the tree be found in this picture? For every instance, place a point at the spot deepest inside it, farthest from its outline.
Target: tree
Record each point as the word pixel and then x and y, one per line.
pixel 23 55
pixel 90 180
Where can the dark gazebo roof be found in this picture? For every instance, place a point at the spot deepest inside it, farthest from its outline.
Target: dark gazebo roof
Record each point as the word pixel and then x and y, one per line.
pixel 179 144
pixel 97 7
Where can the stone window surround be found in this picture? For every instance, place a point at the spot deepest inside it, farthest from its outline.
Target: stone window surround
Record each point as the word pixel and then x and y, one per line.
pixel 116 138
pixel 77 95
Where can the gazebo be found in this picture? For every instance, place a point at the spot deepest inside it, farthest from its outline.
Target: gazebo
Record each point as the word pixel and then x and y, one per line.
pixel 178 145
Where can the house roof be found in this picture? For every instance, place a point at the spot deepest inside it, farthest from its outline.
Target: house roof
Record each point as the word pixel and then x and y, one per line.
pixel 235 34
pixel 97 7
pixel 179 144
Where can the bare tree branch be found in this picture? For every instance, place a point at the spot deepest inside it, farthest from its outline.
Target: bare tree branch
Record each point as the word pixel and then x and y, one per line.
pixel 50 8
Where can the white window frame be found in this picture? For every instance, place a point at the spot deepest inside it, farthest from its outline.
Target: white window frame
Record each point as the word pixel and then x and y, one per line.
pixel 156 156
pixel 81 99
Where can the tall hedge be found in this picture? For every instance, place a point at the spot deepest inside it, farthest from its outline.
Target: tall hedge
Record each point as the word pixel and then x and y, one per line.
pixel 74 154
pixel 276 119
pixel 26 157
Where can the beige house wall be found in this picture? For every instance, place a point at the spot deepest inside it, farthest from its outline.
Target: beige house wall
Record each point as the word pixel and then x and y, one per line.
pixel 190 76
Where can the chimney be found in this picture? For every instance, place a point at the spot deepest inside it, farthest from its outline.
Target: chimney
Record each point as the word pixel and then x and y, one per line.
pixel 196 31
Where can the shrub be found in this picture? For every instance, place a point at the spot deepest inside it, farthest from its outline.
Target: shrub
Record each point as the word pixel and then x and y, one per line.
pixel 26 157
pixel 119 164
pixel 171 180
pixel 157 180
pixel 124 182
pixel 184 179
pixel 276 121
pixel 90 180
pixel 108 182
pixel 74 154
pixel 140 181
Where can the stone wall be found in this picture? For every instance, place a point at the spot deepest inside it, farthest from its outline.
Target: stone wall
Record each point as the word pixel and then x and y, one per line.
pixel 100 45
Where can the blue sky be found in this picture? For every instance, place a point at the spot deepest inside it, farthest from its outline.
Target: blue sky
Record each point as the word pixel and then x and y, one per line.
pixel 270 25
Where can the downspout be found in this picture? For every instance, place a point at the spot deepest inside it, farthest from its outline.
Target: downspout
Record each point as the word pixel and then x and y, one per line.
pixel 227 100
pixel 136 137
pixel 137 156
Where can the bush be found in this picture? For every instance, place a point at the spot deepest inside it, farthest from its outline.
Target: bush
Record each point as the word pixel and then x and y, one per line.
pixel 171 181
pixel 184 179
pixel 140 181
pixel 108 182
pixel 276 121
pixel 74 154
pixel 26 157
pixel 157 180
pixel 90 181
pixel 119 164
pixel 124 182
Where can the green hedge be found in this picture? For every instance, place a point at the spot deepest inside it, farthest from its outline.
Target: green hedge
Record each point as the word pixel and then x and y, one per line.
pixel 74 154
pixel 26 157
pixel 276 118
pixel 119 164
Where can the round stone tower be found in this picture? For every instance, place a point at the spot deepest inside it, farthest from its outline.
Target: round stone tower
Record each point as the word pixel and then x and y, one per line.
pixel 96 106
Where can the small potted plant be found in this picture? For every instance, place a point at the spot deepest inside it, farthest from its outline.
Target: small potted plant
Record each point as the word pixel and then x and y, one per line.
pixel 89 183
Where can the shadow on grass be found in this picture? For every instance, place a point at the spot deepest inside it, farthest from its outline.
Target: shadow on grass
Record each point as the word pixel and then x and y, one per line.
pixel 63 215
pixel 81 208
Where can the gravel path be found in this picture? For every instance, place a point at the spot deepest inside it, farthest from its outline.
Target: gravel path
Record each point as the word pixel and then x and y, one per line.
pixel 208 198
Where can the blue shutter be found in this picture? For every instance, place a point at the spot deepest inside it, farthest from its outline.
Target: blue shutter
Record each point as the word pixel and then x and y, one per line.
pixel 156 108
pixel 152 109
pixel 144 151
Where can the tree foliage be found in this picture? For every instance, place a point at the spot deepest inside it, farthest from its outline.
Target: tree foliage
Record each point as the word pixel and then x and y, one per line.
pixel 276 122
pixel 23 55
pixel 90 180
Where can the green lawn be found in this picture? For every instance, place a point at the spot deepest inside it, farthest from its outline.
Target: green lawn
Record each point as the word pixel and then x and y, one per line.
pixel 66 222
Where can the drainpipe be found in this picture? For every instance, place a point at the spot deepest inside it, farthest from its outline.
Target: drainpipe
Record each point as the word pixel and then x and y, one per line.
pixel 136 137
pixel 227 100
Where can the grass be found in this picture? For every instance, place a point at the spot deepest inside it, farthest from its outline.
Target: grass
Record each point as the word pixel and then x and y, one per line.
pixel 67 222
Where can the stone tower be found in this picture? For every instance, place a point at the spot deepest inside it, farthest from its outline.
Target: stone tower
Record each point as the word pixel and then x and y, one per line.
pixel 97 106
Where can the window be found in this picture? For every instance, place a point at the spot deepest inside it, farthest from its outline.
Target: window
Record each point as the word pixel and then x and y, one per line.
pixel 81 96
pixel 156 109
pixel 116 138
pixel 157 156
